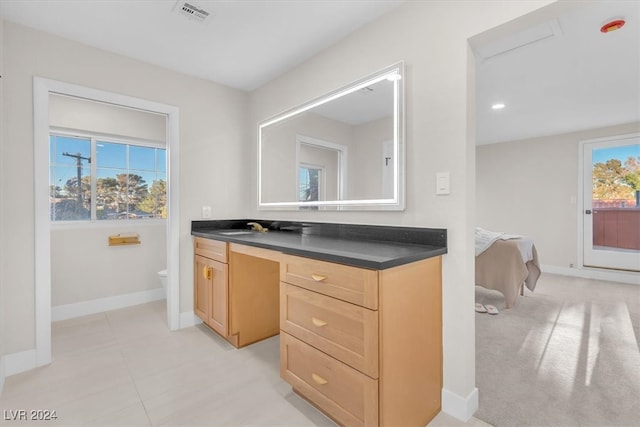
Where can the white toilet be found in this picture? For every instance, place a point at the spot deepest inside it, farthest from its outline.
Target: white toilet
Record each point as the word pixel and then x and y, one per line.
pixel 163 279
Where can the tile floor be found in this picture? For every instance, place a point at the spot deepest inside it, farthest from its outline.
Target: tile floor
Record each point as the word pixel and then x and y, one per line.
pixel 124 368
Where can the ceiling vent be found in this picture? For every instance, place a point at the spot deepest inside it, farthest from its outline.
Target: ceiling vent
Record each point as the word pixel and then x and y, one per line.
pixel 191 11
pixel 519 40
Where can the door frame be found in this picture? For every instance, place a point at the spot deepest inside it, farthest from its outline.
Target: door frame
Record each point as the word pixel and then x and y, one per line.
pixel 581 205
pixel 343 153
pixel 42 87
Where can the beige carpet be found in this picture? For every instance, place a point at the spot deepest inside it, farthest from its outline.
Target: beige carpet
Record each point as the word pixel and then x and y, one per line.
pixel 567 354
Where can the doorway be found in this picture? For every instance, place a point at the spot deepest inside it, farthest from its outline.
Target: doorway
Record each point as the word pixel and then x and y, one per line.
pixel 42 88
pixel 611 202
pixel 328 160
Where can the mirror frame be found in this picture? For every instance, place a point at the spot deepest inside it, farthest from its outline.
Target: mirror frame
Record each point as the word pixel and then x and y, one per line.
pixel 397 202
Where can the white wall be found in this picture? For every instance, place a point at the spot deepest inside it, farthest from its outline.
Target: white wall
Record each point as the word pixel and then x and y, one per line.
pixel 432 38
pixel 81 114
pixel 530 187
pixel 84 267
pixel 213 127
pixel 367 152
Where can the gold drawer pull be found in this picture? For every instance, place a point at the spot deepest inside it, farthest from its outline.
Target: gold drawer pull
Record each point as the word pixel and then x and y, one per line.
pixel 318 277
pixel 318 379
pixel 319 323
pixel 206 272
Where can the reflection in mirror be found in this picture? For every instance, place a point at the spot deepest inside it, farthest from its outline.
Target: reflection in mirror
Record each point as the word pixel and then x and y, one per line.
pixel 343 150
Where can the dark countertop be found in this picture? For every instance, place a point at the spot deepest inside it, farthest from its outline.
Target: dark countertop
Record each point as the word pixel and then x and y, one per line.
pixel 375 247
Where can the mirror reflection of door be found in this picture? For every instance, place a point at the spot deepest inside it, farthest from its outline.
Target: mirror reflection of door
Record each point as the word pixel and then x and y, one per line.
pixel 326 159
pixel 612 203
pixel 388 169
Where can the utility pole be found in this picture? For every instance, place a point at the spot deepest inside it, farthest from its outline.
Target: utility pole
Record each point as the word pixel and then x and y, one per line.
pixel 79 159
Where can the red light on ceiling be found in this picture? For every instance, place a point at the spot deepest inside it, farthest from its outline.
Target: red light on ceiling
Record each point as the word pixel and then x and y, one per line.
pixel 612 26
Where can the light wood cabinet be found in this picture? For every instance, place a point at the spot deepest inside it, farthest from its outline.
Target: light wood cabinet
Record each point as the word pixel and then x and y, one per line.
pixel 364 346
pixel 253 294
pixel 211 292
pixel 345 394
pixel 345 331
pixel 352 284
pixel 236 290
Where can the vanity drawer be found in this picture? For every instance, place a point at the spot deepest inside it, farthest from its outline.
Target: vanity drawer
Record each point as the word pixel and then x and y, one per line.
pixel 351 284
pixel 343 330
pixel 212 249
pixel 343 393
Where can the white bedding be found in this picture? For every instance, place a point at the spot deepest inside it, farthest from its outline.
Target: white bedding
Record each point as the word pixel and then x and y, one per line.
pixel 485 238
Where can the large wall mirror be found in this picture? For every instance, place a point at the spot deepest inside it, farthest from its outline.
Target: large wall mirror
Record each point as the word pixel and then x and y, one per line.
pixel 344 150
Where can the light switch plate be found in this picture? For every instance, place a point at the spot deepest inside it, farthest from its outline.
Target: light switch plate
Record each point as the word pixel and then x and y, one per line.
pixel 442 183
pixel 206 212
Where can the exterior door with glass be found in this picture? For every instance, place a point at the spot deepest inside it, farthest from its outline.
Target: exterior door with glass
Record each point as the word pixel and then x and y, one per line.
pixel 611 202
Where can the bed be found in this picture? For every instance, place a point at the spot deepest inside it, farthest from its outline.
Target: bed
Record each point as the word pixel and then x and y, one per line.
pixel 506 263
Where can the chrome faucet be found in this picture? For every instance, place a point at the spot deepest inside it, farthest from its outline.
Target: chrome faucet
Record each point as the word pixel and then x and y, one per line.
pixel 257 227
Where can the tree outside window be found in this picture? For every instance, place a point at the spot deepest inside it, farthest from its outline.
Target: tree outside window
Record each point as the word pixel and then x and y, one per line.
pixel 616 177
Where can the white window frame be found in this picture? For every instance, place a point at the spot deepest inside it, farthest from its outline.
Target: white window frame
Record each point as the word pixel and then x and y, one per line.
pixel 93 137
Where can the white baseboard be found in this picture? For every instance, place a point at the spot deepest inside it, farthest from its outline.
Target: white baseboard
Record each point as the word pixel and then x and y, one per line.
pixel 594 273
pixel 460 407
pixel 69 311
pixel 16 363
pixel 188 319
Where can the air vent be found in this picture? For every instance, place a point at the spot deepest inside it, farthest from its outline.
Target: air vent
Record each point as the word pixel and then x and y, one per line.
pixel 526 37
pixel 191 11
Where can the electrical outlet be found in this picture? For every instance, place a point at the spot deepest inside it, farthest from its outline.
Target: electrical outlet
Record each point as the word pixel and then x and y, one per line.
pixel 206 212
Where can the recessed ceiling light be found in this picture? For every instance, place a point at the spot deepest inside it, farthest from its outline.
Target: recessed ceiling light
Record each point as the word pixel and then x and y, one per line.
pixel 498 106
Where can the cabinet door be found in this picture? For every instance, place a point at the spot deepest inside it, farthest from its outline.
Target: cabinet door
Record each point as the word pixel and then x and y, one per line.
pixel 210 293
pixel 201 288
pixel 218 298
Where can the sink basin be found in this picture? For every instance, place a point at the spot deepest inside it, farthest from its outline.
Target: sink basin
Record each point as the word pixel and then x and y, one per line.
pixel 235 233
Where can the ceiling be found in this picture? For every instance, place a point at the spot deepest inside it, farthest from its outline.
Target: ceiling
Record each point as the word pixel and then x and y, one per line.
pixel 574 78
pixel 242 44
pixel 577 78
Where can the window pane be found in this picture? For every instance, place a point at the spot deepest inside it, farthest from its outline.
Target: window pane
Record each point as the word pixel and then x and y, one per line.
pixel 70 200
pixel 142 158
pixel 309 179
pixel 304 184
pixel 64 150
pixel 111 194
pixel 69 178
pixel 111 155
pixel 138 191
pixel 161 158
pixel 153 205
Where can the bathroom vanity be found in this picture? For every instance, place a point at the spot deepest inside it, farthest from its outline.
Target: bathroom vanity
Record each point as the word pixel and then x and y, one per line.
pixel 358 309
